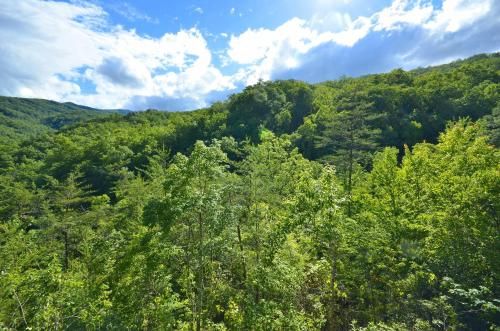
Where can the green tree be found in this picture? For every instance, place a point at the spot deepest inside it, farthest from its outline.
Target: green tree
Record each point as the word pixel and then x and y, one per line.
pixel 349 136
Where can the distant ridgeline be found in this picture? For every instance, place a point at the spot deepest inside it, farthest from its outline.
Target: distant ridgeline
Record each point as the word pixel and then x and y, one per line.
pixel 366 203
pixel 20 117
pixel 400 107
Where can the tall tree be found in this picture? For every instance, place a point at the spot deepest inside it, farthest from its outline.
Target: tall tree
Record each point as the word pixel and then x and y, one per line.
pixel 349 135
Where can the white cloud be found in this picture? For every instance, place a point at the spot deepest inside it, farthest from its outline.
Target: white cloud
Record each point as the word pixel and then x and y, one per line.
pixel 232 11
pixel 198 10
pixel 268 54
pixel 65 46
pixel 355 31
pixel 51 42
pixel 456 14
pixel 267 50
pixel 401 13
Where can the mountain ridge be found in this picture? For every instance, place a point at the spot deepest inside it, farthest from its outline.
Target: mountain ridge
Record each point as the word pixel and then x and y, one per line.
pixel 287 104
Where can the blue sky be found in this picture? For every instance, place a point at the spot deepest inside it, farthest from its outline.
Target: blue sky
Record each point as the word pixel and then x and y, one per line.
pixel 181 55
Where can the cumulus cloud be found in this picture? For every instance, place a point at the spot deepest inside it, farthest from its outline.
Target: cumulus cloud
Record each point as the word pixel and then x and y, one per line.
pixel 119 72
pixel 34 51
pixel 269 51
pixel 65 44
pixel 405 34
pixel 400 15
pixel 457 14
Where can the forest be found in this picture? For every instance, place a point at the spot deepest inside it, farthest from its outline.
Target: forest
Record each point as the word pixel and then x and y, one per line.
pixel 367 203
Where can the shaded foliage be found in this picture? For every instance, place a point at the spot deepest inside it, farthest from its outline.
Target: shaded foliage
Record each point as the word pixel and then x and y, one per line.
pixel 348 205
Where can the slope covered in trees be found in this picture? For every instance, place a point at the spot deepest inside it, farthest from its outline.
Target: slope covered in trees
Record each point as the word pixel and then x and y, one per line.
pixel 360 204
pixel 28 117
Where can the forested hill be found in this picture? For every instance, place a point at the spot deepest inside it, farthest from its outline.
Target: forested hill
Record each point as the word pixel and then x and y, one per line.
pixel 402 107
pixel 20 117
pixel 366 203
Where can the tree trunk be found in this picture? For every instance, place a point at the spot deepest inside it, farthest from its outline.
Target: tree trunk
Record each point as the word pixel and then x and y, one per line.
pixel 66 250
pixel 330 324
pixel 240 243
pixel 200 276
pixel 349 174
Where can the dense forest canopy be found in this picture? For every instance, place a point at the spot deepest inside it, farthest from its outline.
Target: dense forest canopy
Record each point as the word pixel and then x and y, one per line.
pixel 21 118
pixel 366 203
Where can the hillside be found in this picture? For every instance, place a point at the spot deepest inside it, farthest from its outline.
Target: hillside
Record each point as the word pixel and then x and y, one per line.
pixel 365 203
pixel 20 117
pixel 411 106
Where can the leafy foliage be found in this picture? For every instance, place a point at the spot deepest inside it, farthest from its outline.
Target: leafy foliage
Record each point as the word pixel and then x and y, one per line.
pixel 358 204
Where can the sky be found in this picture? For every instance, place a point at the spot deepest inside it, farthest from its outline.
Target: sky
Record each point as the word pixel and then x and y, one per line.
pixel 182 55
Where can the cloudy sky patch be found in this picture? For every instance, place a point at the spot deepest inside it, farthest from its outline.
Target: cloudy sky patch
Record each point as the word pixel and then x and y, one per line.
pixel 138 56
